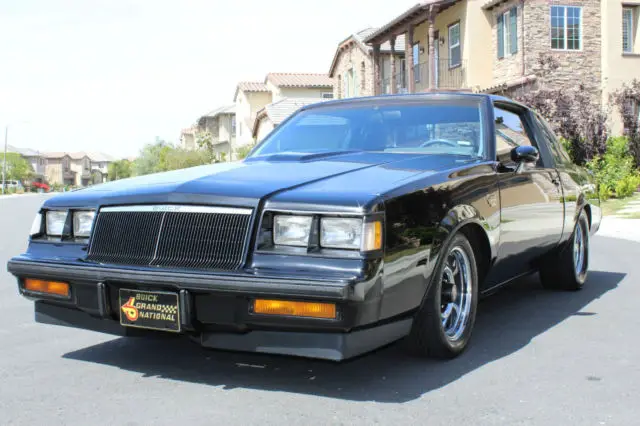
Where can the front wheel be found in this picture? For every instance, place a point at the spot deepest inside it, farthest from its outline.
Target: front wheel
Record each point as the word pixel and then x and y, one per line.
pixel 442 327
pixel 568 271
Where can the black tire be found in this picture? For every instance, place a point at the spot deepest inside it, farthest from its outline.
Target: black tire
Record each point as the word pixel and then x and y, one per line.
pixel 564 272
pixel 428 336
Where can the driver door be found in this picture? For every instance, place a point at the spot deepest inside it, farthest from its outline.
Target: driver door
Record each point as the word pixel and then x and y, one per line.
pixel 532 212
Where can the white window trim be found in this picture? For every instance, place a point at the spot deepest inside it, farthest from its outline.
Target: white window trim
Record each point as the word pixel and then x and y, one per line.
pixel 566 29
pixel 326 95
pixel 453 46
pixel 506 34
pixel 632 11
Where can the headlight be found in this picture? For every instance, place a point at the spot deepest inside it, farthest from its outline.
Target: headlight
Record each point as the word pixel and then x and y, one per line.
pixel 55 222
pixel 292 230
pixel 340 233
pixel 36 226
pixel 82 222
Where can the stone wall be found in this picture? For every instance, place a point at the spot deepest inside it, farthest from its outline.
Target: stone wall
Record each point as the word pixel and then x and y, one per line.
pixel 576 67
pixel 510 66
pixel 353 57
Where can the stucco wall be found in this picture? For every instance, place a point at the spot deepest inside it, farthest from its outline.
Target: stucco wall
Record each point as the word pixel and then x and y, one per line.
pixel 451 15
pixel 617 68
pixel 301 92
pixel 247 106
pixel 53 171
pixel 264 128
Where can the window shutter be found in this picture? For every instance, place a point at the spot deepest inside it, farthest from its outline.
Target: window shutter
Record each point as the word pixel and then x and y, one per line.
pixel 513 17
pixel 500 37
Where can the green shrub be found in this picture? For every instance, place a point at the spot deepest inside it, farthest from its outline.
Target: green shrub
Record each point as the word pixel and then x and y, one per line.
pixel 627 186
pixel 614 171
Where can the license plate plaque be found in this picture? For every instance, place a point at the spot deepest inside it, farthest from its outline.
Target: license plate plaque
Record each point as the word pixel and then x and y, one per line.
pixel 155 310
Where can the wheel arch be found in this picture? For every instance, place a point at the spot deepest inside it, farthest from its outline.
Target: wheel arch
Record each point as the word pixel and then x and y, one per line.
pixel 482 236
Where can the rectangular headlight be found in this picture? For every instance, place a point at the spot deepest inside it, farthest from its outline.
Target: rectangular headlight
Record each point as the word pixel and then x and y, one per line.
pixel 291 230
pixel 340 233
pixel 82 223
pixel 55 222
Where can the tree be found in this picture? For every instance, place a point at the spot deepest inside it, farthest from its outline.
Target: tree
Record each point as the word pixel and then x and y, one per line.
pixel 163 156
pixel 575 115
pixel 121 169
pixel 151 158
pixel 17 167
pixel 627 100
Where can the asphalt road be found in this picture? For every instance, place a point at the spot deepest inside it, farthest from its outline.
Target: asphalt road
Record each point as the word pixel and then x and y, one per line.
pixel 537 358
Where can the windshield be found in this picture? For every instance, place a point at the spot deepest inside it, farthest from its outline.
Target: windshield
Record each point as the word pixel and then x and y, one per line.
pixel 432 127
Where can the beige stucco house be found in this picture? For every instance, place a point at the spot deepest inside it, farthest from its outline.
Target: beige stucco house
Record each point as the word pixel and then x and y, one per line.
pixel 188 138
pixel 58 169
pixel 220 124
pixel 352 66
pixel 494 45
pixel 76 168
pixel 252 97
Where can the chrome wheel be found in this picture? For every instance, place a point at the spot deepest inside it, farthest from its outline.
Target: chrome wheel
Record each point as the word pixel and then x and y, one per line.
pixel 456 294
pixel 579 249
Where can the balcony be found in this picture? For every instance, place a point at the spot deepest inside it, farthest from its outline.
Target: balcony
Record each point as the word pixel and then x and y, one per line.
pixel 447 77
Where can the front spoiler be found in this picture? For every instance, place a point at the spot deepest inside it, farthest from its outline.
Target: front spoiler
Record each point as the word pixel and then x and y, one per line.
pixel 321 345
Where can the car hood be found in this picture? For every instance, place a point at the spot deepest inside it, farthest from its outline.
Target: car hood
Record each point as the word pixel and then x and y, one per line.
pixel 353 178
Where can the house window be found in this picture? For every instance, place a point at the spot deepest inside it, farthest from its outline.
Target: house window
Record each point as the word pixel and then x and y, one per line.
pixel 233 125
pixel 416 62
pixel 628 29
pixel 327 95
pixel 455 51
pixel 566 28
pixel 508 33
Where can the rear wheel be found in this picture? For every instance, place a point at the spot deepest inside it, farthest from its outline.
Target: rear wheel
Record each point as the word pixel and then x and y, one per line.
pixel 442 327
pixel 568 270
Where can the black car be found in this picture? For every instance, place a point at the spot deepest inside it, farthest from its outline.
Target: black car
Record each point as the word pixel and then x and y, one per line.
pixel 353 224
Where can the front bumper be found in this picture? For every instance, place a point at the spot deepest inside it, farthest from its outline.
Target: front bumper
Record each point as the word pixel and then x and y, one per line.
pixel 215 308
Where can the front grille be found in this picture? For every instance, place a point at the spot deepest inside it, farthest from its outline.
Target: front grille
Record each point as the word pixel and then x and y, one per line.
pixel 195 237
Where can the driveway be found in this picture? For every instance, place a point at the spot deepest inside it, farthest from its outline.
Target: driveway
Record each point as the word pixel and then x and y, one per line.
pixel 537 358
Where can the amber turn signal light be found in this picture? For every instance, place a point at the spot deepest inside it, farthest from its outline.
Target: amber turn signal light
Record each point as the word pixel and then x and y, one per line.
pixel 47 287
pixel 295 309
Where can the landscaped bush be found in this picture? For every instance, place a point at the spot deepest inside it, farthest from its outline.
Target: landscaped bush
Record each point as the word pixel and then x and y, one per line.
pixel 615 170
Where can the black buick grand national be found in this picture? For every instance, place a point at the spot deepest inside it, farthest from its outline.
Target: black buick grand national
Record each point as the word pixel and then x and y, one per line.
pixel 353 224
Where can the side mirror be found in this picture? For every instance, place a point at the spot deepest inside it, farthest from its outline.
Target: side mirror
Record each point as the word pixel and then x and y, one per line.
pixel 525 154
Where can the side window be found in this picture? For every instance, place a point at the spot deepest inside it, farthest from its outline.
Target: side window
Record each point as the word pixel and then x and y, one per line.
pixel 560 155
pixel 510 133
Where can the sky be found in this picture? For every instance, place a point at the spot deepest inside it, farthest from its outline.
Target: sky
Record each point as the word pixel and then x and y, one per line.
pixel 112 75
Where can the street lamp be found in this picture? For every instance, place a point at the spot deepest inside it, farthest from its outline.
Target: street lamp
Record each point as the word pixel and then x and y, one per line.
pixel 4 162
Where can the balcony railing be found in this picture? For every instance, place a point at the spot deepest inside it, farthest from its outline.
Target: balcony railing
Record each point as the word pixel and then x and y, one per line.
pixel 448 76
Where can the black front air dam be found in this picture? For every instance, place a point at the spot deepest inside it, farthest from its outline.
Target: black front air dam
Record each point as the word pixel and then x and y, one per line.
pixel 329 346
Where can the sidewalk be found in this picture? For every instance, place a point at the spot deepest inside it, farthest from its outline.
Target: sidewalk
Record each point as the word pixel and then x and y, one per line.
pixel 618 227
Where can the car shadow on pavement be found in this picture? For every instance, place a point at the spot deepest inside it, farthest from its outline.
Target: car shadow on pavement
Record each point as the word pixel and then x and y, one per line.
pixel 506 322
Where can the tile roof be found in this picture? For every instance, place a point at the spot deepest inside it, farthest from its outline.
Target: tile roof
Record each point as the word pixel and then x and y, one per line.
pixel 101 157
pixel 252 86
pixel 417 9
pixel 279 111
pixel 54 154
pixel 299 80
pixel 227 109
pixel 93 156
pixel 25 152
pixel 384 47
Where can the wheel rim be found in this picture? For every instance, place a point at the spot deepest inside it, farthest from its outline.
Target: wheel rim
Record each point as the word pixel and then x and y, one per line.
pixel 579 249
pixel 456 294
